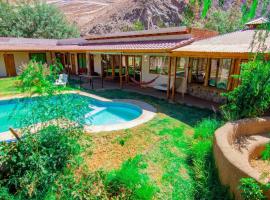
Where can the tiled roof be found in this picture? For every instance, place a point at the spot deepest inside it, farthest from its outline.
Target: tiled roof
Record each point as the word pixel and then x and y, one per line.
pixel 139 33
pixel 115 46
pixel 236 42
pixel 20 47
pixel 26 41
pixel 141 45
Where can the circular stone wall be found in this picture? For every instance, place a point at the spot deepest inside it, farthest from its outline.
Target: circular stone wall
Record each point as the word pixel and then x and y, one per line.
pixel 234 144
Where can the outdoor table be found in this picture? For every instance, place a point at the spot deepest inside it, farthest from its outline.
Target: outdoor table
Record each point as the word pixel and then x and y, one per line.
pixel 91 79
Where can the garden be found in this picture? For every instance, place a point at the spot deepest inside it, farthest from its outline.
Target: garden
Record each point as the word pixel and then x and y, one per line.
pixel 169 157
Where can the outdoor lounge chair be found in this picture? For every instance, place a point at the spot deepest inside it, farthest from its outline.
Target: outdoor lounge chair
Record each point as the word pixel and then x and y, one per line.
pixel 62 80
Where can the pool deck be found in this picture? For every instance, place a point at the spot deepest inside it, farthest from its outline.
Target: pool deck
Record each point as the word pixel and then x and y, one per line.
pixel 186 99
pixel 148 113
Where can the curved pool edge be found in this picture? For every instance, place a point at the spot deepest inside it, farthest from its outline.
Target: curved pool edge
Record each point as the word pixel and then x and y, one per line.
pixel 148 113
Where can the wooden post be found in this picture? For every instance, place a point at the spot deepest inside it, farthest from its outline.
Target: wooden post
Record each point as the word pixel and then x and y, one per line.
pixel 207 72
pixel 88 63
pixel 237 69
pixel 16 135
pixel 120 72
pixel 169 79
pixel 113 72
pixel 127 75
pixel 230 79
pixel 174 78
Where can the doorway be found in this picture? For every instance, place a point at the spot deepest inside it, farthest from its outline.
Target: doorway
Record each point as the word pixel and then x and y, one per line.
pixel 10 64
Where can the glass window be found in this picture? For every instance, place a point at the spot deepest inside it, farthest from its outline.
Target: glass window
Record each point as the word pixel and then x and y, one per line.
pixel 219 73
pixel 213 72
pixel 81 60
pixel 38 57
pixel 181 64
pixel 223 73
pixel 198 68
pixel 158 65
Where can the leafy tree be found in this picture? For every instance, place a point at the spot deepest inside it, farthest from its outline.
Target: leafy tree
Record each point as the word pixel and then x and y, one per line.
pixel 252 97
pixel 224 21
pixel 38 20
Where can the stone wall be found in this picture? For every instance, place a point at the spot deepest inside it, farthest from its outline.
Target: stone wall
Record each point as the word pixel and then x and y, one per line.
pixel 206 93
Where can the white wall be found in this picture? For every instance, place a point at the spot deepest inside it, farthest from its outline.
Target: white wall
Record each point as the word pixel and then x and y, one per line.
pixel 2 66
pixel 97 63
pixel 146 76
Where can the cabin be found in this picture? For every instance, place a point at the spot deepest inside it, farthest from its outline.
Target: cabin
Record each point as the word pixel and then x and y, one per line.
pixel 176 60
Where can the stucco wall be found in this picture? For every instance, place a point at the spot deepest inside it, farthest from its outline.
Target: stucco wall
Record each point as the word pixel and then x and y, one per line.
pixel 20 58
pixel 2 66
pixel 97 63
pixel 233 164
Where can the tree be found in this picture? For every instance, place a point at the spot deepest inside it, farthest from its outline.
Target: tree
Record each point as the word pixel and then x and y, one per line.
pixel 252 97
pixel 38 20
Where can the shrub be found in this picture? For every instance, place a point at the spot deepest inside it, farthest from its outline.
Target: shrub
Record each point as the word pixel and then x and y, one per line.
pixel 34 20
pixel 266 153
pixel 205 174
pixel 128 182
pixel 28 167
pixel 252 97
pixel 250 189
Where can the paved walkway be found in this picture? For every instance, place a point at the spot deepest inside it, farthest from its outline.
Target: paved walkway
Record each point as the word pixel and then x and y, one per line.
pixel 187 99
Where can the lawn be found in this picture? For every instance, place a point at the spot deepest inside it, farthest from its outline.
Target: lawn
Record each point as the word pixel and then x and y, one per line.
pixel 7 87
pixel 161 159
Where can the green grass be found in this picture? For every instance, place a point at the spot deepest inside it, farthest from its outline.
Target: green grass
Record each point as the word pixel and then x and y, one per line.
pixel 7 87
pixel 172 164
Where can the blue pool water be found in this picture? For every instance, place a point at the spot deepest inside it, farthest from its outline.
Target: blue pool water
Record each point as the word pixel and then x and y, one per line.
pixel 18 113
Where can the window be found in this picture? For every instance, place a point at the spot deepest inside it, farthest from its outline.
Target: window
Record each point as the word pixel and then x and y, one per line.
pixel 158 65
pixel 213 72
pixel 181 64
pixel 219 73
pixel 81 60
pixel 223 73
pixel 198 68
pixel 38 57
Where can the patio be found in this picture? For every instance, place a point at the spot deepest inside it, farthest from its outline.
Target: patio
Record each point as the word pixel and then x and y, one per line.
pixel 114 84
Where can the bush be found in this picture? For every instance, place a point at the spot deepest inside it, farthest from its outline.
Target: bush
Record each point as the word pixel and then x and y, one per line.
pixel 266 153
pixel 205 174
pixel 250 189
pixel 252 97
pixel 128 182
pixel 28 167
pixel 34 20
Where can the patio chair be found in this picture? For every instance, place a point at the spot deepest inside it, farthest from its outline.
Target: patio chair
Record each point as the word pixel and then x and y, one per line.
pixel 62 80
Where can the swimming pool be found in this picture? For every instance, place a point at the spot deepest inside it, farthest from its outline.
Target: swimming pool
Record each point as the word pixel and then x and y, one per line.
pixel 88 111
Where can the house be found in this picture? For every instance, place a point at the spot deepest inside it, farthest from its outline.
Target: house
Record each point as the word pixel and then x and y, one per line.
pixel 212 61
pixel 180 59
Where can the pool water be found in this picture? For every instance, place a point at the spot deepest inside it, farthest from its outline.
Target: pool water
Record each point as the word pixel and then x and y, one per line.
pixel 18 113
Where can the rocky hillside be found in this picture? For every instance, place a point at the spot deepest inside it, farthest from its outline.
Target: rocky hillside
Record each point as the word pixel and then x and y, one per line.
pixel 107 16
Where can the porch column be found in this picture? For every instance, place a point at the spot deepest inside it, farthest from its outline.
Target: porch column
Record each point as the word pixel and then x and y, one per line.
pixel 120 72
pixel 76 63
pixel 174 78
pixel 207 72
pixel 169 78
pixel 88 62
pixel 237 69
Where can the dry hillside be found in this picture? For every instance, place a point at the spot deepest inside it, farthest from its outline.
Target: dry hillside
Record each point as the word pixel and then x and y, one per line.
pixel 106 16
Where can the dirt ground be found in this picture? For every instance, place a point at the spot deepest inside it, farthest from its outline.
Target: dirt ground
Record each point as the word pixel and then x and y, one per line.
pixel 112 148
pixel 262 166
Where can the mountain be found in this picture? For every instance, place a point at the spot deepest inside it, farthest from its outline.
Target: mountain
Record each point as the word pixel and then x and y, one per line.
pixel 107 16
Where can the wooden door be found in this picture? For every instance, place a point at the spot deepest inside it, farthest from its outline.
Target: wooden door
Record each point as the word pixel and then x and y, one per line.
pixel 73 64
pixel 91 64
pixel 10 64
